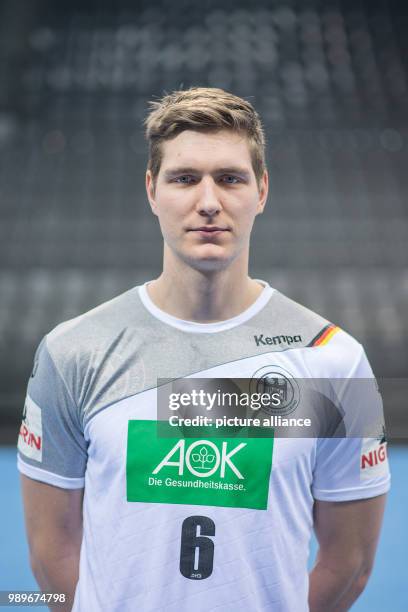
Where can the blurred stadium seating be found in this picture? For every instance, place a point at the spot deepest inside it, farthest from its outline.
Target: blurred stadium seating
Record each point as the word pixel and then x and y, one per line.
pixel 330 81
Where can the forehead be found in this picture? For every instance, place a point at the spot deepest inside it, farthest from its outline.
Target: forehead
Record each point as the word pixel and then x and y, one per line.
pixel 221 148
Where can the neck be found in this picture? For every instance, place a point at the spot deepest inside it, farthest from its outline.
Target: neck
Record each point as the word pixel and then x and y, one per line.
pixel 204 297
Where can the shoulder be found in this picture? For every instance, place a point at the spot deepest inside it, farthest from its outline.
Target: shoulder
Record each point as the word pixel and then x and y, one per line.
pixel 324 341
pixel 95 330
pixel 295 316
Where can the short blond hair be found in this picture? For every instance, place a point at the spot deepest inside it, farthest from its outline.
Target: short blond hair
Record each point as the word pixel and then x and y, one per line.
pixel 205 109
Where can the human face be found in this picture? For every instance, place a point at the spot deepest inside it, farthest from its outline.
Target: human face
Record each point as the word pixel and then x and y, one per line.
pixel 206 197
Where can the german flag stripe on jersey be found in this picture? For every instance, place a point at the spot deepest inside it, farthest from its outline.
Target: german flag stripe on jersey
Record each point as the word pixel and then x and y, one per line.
pixel 324 335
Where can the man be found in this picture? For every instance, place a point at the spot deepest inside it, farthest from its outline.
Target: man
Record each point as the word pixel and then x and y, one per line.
pixel 143 521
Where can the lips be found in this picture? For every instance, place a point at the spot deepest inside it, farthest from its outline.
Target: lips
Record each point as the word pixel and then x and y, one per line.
pixel 209 229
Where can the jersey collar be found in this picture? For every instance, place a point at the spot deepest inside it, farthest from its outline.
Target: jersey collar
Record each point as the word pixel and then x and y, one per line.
pixel 207 328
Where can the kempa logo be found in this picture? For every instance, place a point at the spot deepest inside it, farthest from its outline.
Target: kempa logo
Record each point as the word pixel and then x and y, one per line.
pixel 201 458
pixel 264 340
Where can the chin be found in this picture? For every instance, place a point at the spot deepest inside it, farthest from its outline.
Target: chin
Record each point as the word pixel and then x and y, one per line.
pixel 209 263
pixel 211 266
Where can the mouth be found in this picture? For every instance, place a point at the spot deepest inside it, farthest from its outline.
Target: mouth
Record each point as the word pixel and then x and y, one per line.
pixel 209 229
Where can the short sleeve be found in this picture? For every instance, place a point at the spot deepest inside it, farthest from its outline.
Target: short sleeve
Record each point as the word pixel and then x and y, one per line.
pixel 51 443
pixel 355 466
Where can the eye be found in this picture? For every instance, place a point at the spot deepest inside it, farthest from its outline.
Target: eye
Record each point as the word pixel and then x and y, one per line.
pixel 230 179
pixel 185 179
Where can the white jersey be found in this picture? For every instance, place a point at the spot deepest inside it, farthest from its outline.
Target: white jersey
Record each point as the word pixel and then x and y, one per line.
pixel 195 523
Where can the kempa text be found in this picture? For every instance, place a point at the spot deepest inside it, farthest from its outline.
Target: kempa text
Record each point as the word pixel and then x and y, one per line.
pixel 264 340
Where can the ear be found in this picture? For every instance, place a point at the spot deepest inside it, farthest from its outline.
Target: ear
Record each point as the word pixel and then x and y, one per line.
pixel 263 192
pixel 150 190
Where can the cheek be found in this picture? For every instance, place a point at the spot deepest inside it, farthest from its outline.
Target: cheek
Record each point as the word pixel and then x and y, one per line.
pixel 171 215
pixel 244 211
pixel 170 209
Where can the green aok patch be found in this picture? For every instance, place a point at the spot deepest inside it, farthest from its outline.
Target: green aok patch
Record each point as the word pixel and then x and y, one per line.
pixel 228 471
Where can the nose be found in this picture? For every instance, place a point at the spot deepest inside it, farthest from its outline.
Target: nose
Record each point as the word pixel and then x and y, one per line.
pixel 208 203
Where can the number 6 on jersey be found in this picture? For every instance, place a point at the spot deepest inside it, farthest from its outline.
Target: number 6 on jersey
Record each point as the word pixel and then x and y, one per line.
pixel 197 551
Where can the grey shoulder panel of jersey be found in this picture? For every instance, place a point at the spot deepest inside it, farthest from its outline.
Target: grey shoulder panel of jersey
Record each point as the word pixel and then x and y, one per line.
pixel 289 323
pixel 94 351
pixel 98 328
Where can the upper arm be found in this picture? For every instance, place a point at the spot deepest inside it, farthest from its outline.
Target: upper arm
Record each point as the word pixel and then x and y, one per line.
pixel 53 517
pixel 52 446
pixel 52 455
pixel 348 531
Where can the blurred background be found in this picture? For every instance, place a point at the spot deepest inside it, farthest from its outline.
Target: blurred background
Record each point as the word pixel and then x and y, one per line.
pixel 330 80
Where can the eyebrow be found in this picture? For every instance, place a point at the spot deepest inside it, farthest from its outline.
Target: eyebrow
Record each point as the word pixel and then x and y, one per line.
pixel 172 172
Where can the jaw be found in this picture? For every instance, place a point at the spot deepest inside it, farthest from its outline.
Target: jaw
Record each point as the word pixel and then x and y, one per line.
pixel 205 257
